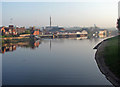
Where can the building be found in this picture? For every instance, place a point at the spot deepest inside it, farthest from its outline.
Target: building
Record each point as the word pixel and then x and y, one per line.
pixel 40 32
pixel 54 29
pixel 83 32
pixel 36 32
pixel 2 30
pixel 20 30
pixel 102 33
pixel 61 29
pixel 8 30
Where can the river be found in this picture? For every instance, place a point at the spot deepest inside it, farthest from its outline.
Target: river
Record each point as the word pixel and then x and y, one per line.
pixel 52 62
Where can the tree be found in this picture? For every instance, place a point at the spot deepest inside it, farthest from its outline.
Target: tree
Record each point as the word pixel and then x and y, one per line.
pixel 27 32
pixel 118 24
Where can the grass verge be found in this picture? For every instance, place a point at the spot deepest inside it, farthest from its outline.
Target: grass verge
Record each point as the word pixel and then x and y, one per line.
pixel 112 56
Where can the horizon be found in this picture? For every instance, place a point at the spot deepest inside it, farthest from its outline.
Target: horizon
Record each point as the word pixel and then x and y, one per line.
pixel 67 28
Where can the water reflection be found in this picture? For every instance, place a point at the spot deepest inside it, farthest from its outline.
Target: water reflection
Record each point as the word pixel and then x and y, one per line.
pixel 9 47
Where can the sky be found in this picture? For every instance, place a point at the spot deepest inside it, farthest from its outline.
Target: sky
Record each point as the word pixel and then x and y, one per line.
pixel 63 13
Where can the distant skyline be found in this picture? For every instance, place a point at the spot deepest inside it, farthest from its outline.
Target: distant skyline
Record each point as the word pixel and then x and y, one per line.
pixel 67 14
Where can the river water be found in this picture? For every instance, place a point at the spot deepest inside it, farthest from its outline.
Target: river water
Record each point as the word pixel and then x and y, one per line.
pixel 52 62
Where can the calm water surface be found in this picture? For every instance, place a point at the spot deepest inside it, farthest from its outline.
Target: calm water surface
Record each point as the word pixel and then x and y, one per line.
pixel 53 62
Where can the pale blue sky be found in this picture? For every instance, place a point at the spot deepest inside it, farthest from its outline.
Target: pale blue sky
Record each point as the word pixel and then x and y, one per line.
pixel 83 14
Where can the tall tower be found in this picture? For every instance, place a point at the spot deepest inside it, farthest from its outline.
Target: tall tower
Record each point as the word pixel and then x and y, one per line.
pixel 50 21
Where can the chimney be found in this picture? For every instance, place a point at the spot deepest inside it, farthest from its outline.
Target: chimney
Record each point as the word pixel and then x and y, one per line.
pixel 50 21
